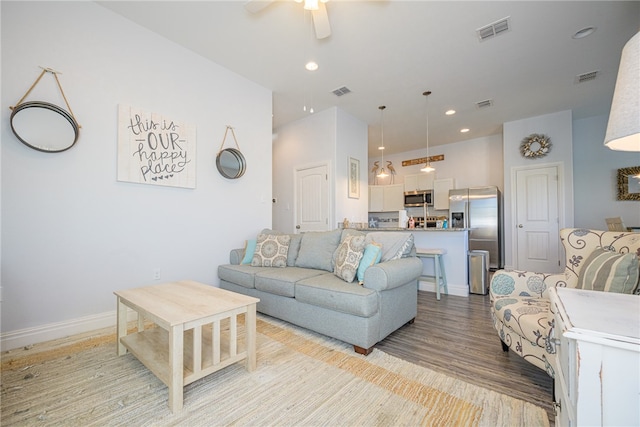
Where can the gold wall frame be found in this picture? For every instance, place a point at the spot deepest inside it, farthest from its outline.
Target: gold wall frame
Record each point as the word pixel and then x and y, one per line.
pixel 626 188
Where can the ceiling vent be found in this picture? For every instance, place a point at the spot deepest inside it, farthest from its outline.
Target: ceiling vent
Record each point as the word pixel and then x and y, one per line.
pixel 341 91
pixel 586 77
pixel 494 29
pixel 484 104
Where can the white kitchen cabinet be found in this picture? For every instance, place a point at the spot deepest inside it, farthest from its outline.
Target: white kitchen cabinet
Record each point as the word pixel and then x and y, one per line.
pixel 385 198
pixel 597 378
pixel 420 181
pixel 441 189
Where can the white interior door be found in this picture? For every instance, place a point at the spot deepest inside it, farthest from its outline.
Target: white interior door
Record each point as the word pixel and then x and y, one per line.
pixel 537 220
pixel 312 199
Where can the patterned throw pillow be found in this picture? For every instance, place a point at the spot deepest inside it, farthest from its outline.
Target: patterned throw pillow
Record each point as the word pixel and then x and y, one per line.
pixel 348 257
pixel 271 250
pixel 608 271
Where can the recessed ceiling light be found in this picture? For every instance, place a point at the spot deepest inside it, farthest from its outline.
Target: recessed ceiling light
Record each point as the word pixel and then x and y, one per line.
pixel 311 66
pixel 450 112
pixel 464 130
pixel 580 34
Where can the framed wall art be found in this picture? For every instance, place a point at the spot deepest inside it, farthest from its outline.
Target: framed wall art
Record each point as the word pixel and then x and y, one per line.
pixel 354 178
pixel 629 183
pixel 155 149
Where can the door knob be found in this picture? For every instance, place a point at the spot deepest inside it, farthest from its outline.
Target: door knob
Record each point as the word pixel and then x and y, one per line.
pixel 297 227
pixel 520 225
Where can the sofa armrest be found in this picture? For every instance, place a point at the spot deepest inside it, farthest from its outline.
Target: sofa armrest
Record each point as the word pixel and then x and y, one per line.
pixel 394 273
pixel 523 283
pixel 235 256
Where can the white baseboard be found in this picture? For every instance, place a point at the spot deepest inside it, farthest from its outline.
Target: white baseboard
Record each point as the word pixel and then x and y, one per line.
pixel 458 290
pixel 52 331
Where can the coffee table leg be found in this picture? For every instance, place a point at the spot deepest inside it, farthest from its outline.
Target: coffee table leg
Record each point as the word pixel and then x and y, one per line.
pixel 250 327
pixel 176 369
pixel 122 326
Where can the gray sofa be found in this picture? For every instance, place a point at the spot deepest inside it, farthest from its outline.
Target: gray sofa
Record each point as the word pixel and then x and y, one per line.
pixel 307 292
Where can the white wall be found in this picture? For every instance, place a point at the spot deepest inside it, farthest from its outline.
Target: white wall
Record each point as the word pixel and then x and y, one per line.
pixel 72 234
pixel 595 177
pixel 558 127
pixel 328 137
pixel 472 163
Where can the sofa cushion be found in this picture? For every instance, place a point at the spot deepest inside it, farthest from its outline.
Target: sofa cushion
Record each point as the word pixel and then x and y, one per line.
pixel 608 271
pixel 529 317
pixel 281 281
pixel 331 292
pixel 271 250
pixel 294 249
pixel 317 248
pixel 395 244
pixel 242 275
pixel 348 257
pixel 371 256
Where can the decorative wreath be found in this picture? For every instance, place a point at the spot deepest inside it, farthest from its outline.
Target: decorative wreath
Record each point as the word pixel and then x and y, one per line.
pixel 535 145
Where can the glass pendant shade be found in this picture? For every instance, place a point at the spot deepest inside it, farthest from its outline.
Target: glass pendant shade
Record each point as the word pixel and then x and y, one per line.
pixel 427 167
pixel 623 129
pixel 383 173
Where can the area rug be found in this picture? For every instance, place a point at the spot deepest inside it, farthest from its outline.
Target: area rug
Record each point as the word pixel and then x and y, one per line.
pixel 302 379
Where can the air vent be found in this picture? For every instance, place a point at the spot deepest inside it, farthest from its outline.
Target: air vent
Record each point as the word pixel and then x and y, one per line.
pixel 341 91
pixel 494 29
pixel 484 104
pixel 586 77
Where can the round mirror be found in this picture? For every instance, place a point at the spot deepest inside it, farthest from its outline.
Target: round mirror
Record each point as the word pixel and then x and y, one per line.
pixel 44 126
pixel 230 163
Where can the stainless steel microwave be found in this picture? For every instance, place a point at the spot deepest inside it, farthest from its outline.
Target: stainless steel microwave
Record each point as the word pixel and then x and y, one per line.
pixel 418 198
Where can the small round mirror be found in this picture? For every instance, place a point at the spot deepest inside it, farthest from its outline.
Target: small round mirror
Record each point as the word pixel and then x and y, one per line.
pixel 44 126
pixel 230 163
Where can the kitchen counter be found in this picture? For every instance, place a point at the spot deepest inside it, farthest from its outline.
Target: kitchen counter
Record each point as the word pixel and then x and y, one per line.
pixel 455 241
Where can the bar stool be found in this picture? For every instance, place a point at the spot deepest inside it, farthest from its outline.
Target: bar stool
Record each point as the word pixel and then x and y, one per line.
pixel 440 274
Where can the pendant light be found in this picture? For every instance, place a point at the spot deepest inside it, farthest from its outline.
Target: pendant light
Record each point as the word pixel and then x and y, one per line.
pixel 383 173
pixel 427 167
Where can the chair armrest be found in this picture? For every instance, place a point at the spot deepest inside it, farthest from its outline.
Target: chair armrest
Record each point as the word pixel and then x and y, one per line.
pixel 523 283
pixel 392 274
pixel 235 256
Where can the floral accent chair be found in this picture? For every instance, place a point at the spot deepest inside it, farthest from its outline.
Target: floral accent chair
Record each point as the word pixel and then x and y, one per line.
pixel 520 302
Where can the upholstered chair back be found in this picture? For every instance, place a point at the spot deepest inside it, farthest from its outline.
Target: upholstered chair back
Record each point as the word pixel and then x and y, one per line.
pixel 579 243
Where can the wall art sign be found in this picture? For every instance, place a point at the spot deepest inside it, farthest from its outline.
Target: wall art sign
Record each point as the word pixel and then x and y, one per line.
pixel 155 149
pixel 354 178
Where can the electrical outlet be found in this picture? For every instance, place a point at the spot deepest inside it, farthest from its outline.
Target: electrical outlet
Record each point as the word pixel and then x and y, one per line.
pixel 156 274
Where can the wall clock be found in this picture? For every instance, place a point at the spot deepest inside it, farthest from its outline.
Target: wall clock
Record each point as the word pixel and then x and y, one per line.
pixel 535 146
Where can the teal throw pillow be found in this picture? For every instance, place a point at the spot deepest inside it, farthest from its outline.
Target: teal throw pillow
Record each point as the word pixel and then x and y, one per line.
pixel 371 256
pixel 249 249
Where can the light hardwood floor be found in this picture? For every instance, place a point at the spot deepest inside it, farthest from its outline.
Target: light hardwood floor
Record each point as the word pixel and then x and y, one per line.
pixel 455 336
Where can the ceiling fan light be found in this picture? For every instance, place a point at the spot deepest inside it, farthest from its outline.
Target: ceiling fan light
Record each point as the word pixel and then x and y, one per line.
pixel 311 5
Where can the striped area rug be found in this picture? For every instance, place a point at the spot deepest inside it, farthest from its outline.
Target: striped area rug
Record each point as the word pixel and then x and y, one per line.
pixel 302 379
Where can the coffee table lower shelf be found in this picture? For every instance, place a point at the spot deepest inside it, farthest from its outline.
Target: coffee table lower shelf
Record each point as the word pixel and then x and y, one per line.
pixel 151 347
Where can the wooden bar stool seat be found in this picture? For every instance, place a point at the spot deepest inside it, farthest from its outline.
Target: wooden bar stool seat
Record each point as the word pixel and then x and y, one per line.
pixel 440 276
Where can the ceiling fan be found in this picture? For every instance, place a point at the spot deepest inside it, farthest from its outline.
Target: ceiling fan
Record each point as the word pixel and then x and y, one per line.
pixel 318 11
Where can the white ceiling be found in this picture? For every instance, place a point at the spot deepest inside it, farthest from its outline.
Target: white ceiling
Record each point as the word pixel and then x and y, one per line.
pixel 390 52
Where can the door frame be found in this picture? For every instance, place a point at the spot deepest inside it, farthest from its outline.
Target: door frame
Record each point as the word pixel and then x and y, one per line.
pixel 330 192
pixel 561 207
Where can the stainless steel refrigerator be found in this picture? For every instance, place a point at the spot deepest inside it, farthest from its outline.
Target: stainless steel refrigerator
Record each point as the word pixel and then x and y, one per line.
pixel 480 210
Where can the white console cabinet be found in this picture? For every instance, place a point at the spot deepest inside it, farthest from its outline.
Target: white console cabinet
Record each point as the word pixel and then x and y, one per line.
pixel 597 379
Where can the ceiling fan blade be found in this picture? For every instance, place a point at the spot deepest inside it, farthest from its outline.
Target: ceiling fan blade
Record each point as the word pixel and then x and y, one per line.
pixel 321 21
pixel 254 6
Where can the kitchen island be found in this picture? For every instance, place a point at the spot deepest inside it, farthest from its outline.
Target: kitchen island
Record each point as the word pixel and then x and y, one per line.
pixel 456 242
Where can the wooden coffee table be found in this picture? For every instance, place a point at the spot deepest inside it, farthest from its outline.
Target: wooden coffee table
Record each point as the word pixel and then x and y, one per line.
pixel 196 332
